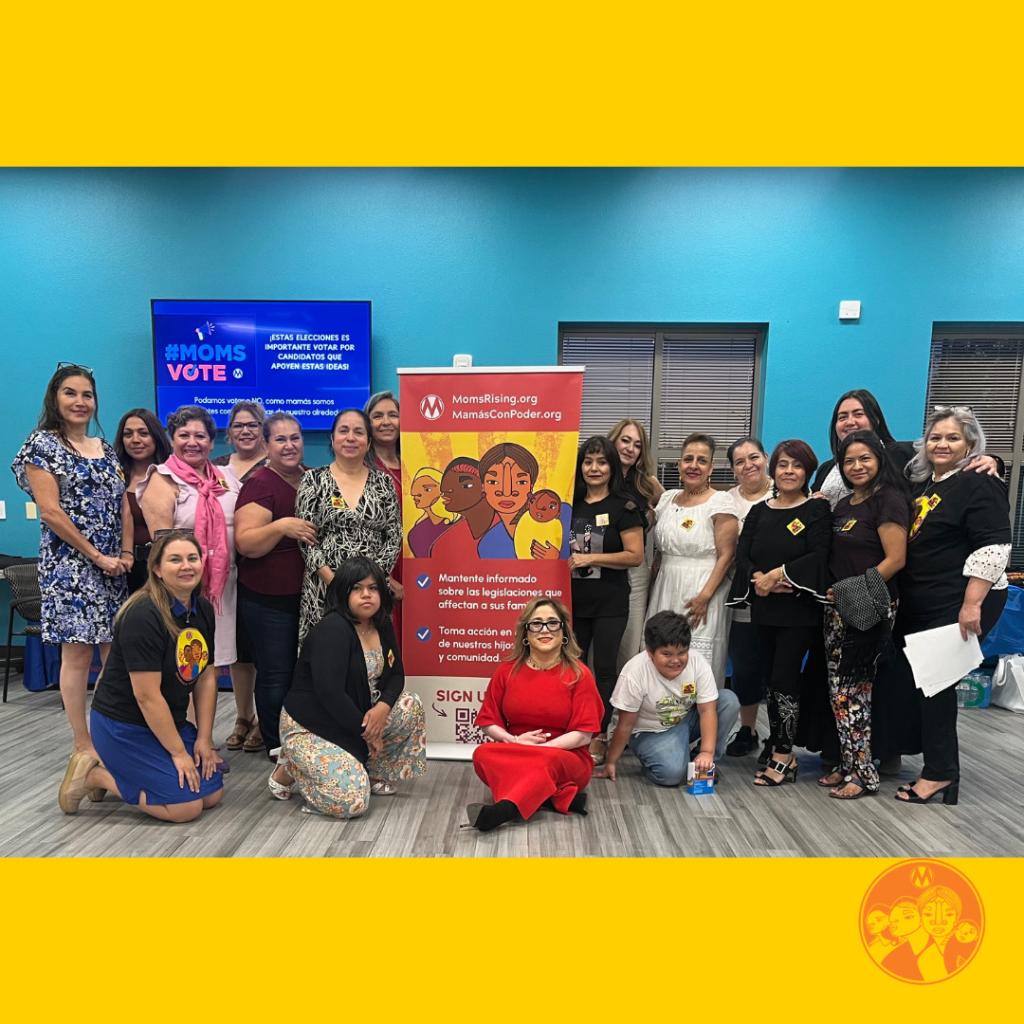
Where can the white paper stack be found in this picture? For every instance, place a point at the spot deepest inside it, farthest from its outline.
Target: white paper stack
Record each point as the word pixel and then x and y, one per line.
pixel 940 658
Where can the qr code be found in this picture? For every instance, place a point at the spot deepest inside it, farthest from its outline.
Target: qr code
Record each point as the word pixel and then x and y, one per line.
pixel 465 729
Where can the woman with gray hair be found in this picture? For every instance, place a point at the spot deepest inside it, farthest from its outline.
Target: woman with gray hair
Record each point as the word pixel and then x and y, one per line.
pixel 958 547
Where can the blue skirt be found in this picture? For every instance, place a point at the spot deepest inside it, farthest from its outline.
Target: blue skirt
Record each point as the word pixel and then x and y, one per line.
pixel 139 763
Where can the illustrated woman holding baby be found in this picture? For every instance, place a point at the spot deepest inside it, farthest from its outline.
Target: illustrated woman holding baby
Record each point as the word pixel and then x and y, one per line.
pixel 528 524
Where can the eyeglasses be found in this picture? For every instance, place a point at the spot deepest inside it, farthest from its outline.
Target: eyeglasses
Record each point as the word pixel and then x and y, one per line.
pixel 244 427
pixel 62 365
pixel 183 534
pixel 539 625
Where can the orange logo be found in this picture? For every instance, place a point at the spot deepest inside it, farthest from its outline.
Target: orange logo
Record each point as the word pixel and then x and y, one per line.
pixel 922 921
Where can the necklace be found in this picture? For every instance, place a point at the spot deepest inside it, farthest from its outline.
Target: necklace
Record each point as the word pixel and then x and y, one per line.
pixel 541 668
pixel 687 493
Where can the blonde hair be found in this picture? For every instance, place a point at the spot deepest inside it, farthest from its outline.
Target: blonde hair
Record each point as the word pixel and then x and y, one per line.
pixel 570 652
pixel 154 589
pixel 439 508
pixel 638 476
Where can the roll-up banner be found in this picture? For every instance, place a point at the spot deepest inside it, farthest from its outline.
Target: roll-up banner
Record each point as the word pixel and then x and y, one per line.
pixel 488 465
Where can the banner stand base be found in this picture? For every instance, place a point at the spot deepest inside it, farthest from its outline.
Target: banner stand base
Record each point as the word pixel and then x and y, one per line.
pixel 450 751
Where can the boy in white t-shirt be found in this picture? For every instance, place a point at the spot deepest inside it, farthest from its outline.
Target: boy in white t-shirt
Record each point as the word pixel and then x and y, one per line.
pixel 667 699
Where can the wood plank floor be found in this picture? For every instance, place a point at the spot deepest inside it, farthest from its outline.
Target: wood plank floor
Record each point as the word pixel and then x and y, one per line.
pixel 629 818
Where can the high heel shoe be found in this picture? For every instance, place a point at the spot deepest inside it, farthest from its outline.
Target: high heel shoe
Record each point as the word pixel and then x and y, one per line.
pixel 950 795
pixel 787 771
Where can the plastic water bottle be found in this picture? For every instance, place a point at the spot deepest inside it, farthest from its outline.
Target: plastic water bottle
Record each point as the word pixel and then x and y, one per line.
pixel 974 690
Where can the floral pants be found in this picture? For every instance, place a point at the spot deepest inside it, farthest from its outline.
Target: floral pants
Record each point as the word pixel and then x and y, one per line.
pixel 851 705
pixel 334 782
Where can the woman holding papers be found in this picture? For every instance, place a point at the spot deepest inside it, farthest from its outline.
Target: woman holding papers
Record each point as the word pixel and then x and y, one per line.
pixel 957 551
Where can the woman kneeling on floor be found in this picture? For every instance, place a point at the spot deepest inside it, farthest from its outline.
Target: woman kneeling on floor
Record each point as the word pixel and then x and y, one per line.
pixel 541 709
pixel 347 727
pixel 161 655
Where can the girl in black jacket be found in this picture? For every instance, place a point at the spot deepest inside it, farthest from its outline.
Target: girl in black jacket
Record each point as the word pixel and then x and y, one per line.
pixel 348 729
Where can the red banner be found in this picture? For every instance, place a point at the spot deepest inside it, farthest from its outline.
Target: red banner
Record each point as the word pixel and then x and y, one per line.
pixel 488 463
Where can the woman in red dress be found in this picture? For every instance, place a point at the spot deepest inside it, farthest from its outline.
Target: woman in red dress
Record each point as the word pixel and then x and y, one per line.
pixel 541 710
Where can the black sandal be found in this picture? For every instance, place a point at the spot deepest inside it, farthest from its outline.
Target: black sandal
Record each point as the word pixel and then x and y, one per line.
pixel 787 771
pixel 950 795
pixel 853 780
pixel 841 778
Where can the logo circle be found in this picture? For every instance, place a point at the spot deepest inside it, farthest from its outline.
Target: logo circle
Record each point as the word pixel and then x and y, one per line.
pixel 431 407
pixel 921 921
pixel 237 372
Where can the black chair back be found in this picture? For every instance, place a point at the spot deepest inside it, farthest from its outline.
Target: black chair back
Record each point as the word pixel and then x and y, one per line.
pixel 25 596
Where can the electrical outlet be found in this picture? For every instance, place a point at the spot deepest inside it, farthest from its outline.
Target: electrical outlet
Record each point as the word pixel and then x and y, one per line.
pixel 30 510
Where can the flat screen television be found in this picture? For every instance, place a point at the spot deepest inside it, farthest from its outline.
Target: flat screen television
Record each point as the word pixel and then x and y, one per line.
pixel 307 358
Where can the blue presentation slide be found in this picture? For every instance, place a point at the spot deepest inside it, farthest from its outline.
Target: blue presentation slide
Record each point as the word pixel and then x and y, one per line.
pixel 310 359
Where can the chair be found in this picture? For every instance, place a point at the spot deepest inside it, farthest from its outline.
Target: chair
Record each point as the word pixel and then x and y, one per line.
pixel 27 602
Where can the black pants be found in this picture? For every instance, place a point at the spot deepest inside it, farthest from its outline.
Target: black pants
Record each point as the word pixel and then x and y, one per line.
pixel 605 634
pixel 938 713
pixel 782 652
pixel 749 679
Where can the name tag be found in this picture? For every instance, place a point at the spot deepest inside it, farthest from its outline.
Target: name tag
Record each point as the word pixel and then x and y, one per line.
pixel 688 524
pixel 337 501
pixel 391 658
pixel 848 526
pixel 933 501
pixel 795 527
pixel 601 519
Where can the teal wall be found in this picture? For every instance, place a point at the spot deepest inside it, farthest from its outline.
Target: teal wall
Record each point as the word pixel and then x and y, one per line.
pixel 489 261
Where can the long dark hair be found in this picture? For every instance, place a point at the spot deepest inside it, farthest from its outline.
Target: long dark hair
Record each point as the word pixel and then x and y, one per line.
pixel 874 414
pixel 349 573
pixel 49 416
pixel 162 450
pixel 598 445
pixel 887 475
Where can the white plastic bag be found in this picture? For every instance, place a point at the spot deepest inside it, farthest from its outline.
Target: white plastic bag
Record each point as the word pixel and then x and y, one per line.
pixel 1008 683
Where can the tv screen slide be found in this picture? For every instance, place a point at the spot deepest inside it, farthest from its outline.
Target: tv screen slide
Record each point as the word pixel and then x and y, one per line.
pixel 310 359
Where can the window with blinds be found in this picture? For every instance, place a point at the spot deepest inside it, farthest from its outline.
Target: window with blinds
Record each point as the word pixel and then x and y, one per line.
pixel 981 365
pixel 673 378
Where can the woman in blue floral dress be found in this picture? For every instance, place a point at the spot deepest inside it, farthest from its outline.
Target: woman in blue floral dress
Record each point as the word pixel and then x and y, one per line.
pixel 85 548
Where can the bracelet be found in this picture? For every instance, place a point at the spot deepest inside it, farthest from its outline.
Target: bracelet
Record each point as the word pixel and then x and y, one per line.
pixel 130 554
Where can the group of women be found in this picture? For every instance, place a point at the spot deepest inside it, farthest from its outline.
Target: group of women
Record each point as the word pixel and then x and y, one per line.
pixel 230 562
pixel 806 578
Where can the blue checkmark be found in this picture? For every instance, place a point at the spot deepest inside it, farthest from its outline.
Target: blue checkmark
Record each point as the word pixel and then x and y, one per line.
pixel 423 581
pixel 423 634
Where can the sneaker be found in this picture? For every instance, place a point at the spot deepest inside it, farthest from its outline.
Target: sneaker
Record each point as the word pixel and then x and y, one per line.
pixel 743 743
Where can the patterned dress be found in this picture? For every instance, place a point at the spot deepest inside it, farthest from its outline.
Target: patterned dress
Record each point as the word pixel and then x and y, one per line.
pixel 372 529
pixel 79 600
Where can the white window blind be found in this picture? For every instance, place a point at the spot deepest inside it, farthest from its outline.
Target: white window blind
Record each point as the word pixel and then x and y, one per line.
pixel 984 373
pixel 674 379
pixel 619 379
pixel 982 366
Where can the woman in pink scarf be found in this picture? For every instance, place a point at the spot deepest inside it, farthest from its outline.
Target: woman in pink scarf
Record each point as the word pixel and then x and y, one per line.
pixel 188 492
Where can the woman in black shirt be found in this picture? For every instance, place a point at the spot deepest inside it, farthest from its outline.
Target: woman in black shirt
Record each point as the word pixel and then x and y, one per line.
pixel 606 540
pixel 780 572
pixel 161 656
pixel 347 728
pixel 869 547
pixel 956 560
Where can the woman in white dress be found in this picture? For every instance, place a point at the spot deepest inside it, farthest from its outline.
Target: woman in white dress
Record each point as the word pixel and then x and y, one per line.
pixel 695 535
pixel 630 440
